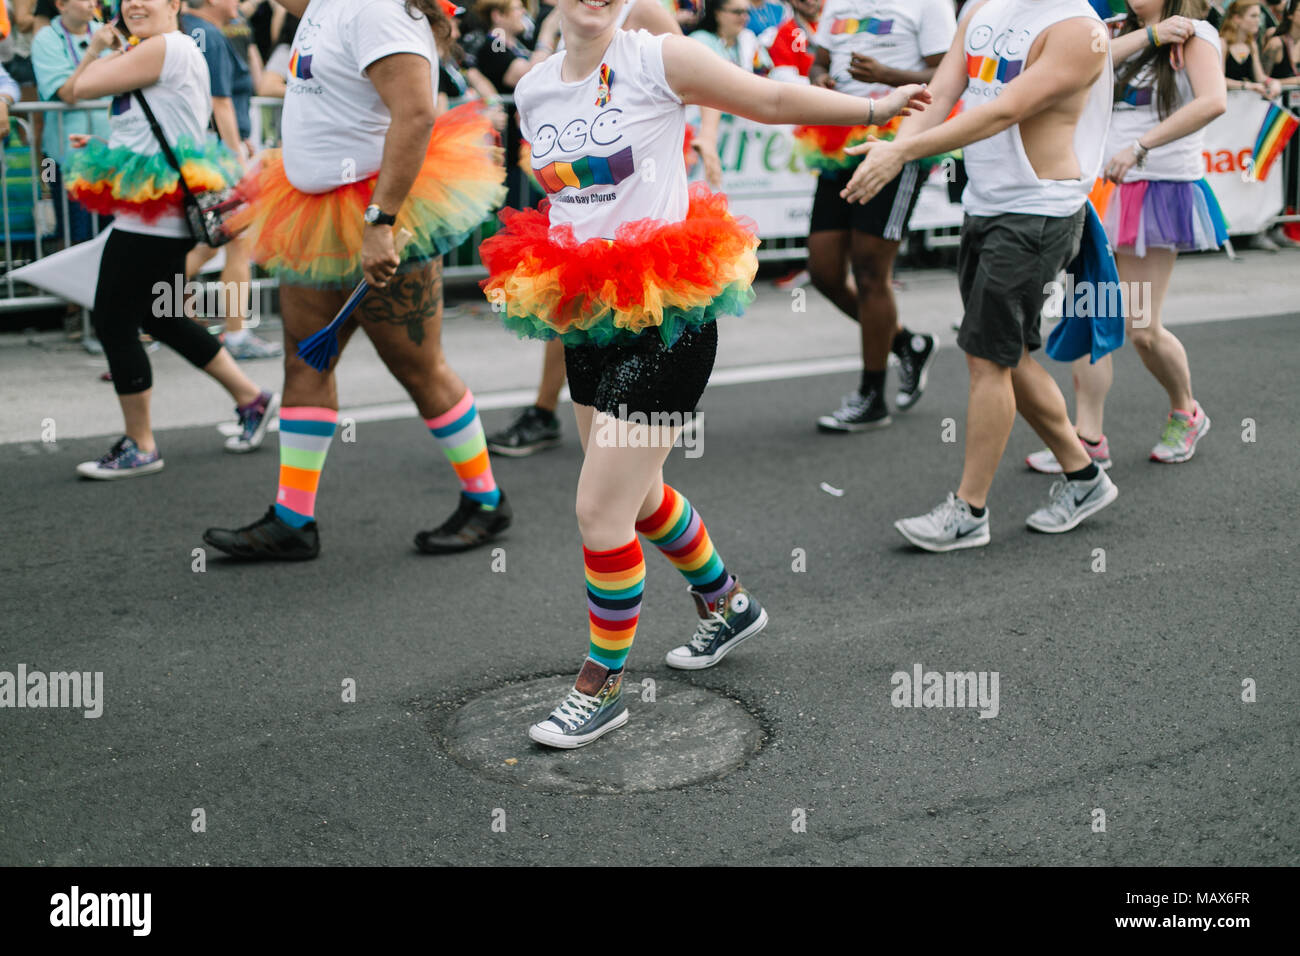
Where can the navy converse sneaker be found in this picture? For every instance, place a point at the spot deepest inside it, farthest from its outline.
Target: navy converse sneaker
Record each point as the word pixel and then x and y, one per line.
pixel 594 707
pixel 723 626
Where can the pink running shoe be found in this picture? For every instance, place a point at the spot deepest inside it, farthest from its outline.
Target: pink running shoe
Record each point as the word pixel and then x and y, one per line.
pixel 1182 432
pixel 1045 462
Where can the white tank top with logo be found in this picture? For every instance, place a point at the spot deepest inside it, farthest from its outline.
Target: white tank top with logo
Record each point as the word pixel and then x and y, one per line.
pixel 607 148
pixel 1137 112
pixel 1002 180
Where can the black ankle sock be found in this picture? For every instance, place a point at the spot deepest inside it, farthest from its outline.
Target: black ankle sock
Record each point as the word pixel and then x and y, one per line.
pixel 976 512
pixel 1090 444
pixel 1084 474
pixel 546 413
pixel 872 380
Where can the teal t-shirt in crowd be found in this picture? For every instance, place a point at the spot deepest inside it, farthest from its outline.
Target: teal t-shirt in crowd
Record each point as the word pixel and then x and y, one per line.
pixel 55 55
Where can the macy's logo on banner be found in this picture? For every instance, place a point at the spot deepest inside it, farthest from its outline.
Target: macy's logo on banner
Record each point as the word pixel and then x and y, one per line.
pixel 1226 161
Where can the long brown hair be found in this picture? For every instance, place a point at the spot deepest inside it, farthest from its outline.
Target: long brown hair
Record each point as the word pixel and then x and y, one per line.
pixel 432 11
pixel 1166 77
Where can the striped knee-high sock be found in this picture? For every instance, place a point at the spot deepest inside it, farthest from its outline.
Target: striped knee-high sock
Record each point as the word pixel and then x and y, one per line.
pixel 677 530
pixel 459 432
pixel 305 435
pixel 615 580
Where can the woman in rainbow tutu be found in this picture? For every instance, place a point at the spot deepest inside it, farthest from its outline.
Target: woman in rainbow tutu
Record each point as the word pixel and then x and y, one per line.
pixel 1155 203
pixel 630 269
pixel 363 161
pixel 142 272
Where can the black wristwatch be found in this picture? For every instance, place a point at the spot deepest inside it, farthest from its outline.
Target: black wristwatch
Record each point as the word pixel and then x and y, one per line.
pixel 377 217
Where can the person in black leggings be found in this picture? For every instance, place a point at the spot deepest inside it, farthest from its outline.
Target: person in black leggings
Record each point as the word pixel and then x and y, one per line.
pixel 142 271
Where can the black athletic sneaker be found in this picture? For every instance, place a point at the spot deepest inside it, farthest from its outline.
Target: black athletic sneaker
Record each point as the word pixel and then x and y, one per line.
pixel 857 413
pixel 915 354
pixel 267 539
pixel 534 430
pixel 471 526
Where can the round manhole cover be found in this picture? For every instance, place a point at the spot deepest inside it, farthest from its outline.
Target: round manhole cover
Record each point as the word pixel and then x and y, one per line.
pixel 676 735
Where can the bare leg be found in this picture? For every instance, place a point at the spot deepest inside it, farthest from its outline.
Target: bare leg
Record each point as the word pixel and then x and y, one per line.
pixel 307 311
pixel 990 413
pixel 1091 385
pixel 1040 402
pixel 828 267
pixel 1160 351
pixel 548 390
pixel 236 277
pixel 873 273
pixel 622 465
pixel 135 412
pixel 226 371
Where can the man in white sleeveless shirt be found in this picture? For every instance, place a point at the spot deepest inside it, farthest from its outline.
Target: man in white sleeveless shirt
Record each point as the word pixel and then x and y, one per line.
pixel 1034 78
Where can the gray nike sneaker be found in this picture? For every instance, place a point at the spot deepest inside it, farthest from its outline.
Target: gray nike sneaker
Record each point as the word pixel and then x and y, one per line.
pixel 1071 502
pixel 949 527
pixel 594 707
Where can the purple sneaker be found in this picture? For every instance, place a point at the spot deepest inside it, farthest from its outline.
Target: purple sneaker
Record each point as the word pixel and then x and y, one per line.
pixel 254 419
pixel 124 460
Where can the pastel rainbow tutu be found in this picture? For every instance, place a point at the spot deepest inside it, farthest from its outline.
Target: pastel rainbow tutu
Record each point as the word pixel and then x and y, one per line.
pixel 314 239
pixel 821 148
pixel 111 179
pixel 1156 214
pixel 652 275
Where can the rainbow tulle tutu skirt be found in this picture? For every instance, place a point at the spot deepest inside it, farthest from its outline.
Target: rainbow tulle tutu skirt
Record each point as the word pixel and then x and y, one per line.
pixel 110 179
pixel 821 148
pixel 314 239
pixel 1157 214
pixel 653 275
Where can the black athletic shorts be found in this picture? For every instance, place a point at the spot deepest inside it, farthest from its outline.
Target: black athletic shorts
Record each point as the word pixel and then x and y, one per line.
pixel 885 216
pixel 643 376
pixel 1005 269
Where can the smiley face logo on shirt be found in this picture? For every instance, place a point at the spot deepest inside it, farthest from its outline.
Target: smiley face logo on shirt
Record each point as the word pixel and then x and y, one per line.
pixel 574 136
pixel 980 37
pixel 544 141
pixel 1016 42
pixel 604 128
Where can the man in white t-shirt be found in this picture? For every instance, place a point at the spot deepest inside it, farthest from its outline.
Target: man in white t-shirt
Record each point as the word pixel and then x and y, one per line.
pixel 867 48
pixel 363 159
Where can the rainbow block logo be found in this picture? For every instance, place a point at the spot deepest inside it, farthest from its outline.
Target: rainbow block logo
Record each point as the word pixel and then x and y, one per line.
pixel 991 69
pixel 872 25
pixel 300 66
pixel 587 171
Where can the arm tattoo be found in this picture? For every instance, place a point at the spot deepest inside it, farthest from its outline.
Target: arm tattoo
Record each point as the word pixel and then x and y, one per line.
pixel 410 300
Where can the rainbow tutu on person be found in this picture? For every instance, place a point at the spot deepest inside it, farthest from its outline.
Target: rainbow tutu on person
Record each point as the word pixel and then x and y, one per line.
pixel 111 179
pixel 652 275
pixel 1156 214
pixel 821 148
pixel 314 239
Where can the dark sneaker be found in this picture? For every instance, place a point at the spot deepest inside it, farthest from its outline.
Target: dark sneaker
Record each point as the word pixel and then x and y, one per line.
pixel 124 460
pixel 471 526
pixel 858 413
pixel 534 430
pixel 594 707
pixel 723 626
pixel 252 347
pixel 267 539
pixel 254 419
pixel 915 355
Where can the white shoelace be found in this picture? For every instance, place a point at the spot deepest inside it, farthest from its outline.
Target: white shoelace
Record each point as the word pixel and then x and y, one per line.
pixel 1062 501
pixel 852 406
pixel 945 516
pixel 706 630
pixel 577 708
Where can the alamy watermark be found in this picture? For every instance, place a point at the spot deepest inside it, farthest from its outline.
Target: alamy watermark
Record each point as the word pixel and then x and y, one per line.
pixel 188 297
pixel 81 690
pixel 653 430
pixel 922 688
pixel 1070 299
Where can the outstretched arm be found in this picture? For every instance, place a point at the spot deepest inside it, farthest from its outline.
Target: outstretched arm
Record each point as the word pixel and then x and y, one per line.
pixel 1070 60
pixel 110 75
pixel 702 78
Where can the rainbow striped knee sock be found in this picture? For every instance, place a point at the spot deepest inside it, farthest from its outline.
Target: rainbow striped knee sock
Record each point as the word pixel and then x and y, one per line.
pixel 615 581
pixel 676 529
pixel 460 433
pixel 305 435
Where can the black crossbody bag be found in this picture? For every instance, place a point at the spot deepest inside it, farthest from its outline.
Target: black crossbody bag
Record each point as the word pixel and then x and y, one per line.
pixel 207 212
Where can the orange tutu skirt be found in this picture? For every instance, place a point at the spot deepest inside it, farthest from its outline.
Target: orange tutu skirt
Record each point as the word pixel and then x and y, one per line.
pixel 314 239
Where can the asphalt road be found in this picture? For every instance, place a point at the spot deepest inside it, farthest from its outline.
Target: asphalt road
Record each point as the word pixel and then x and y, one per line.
pixel 1119 690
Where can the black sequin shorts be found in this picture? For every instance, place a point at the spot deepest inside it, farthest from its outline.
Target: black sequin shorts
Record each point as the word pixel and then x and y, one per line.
pixel 643 376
